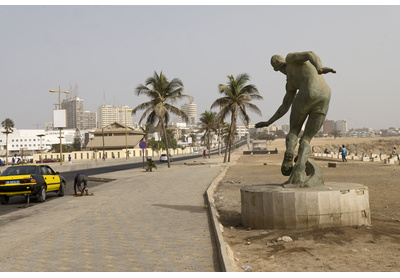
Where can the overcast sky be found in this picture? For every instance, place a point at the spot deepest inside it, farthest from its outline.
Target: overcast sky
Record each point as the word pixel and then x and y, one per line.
pixel 109 50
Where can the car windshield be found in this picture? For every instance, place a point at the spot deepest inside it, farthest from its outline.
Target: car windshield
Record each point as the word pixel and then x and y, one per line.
pixel 19 170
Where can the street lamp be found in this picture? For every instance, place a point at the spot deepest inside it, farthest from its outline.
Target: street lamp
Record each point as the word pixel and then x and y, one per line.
pixel 126 133
pixel 41 149
pixel 6 133
pixel 59 107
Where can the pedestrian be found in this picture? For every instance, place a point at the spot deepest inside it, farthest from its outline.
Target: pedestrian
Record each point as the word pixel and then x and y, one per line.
pixel 69 159
pixel 394 152
pixel 204 153
pixel 79 179
pixel 344 153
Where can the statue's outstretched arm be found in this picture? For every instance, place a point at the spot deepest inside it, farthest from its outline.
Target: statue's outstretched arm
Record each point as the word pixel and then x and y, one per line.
pixel 286 103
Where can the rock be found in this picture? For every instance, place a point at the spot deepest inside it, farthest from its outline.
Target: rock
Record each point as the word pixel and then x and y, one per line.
pixel 285 239
pixel 248 243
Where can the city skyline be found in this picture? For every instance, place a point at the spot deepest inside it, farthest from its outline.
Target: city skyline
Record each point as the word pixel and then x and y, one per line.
pixel 109 50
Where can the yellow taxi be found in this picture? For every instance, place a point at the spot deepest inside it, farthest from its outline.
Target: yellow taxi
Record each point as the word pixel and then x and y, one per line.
pixel 30 180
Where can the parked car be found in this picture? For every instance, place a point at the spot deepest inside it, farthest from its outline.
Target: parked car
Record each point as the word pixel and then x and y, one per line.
pixel 163 158
pixel 48 160
pixel 34 180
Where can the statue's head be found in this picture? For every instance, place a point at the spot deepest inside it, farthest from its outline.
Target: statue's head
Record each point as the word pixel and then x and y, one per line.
pixel 278 62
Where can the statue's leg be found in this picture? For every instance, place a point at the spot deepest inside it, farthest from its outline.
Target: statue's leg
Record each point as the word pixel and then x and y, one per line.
pixel 287 164
pixel 296 122
pixel 314 124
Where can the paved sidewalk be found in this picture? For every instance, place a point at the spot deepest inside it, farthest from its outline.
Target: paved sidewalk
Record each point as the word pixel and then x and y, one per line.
pixel 142 221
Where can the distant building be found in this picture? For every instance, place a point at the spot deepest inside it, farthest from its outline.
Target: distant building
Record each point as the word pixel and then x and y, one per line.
pixel 77 118
pixel 115 136
pixel 286 128
pixel 27 140
pixel 329 126
pixel 191 111
pixel 109 114
pixel 341 126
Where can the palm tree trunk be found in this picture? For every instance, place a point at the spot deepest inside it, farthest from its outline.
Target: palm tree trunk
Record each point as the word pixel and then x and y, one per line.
pixel 209 145
pixel 166 140
pixel 231 132
pixel 227 146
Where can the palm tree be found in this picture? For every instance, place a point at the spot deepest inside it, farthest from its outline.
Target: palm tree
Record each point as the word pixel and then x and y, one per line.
pixel 207 122
pixel 8 125
pixel 237 99
pixel 162 94
pixel 219 125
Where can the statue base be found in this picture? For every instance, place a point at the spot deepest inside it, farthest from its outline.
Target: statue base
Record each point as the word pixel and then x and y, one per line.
pixel 332 205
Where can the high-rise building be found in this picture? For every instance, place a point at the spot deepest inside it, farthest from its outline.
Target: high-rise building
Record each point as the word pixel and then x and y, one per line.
pixel 329 126
pixel 77 118
pixel 191 111
pixel 109 114
pixel 341 126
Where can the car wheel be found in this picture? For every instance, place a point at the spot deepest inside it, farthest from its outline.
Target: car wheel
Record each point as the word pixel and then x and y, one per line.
pixel 4 199
pixel 41 195
pixel 61 191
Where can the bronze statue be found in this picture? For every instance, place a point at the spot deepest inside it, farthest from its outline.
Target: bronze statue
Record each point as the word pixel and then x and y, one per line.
pixel 309 95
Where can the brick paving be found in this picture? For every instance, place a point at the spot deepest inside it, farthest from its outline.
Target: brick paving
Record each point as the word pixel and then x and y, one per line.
pixel 141 222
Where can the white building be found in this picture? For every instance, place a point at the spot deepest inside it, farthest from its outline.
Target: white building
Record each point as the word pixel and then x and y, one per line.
pixel 341 126
pixel 242 130
pixel 109 114
pixel 191 111
pixel 28 140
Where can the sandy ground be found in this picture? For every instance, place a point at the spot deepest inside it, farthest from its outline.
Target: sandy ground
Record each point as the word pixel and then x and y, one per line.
pixel 345 249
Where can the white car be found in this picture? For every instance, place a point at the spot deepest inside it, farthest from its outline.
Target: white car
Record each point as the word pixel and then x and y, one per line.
pixel 163 158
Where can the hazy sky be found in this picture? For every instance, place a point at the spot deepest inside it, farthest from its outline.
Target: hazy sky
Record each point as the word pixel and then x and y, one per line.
pixel 109 50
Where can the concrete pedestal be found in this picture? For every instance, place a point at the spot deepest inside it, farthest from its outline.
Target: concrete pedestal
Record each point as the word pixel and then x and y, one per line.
pixel 331 205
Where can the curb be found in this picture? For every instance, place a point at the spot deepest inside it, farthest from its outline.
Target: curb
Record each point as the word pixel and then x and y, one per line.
pixel 224 260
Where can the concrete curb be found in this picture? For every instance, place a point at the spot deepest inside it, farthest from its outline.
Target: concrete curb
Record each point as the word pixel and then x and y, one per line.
pixel 225 262
pixel 221 247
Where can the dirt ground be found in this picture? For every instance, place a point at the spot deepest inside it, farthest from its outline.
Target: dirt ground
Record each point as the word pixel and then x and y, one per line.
pixel 346 249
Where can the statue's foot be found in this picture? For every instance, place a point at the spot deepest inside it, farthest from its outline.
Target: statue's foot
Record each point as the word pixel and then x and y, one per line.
pixel 297 177
pixel 287 164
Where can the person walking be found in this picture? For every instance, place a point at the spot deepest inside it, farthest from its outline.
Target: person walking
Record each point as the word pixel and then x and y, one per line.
pixel 69 159
pixel 344 153
pixel 394 152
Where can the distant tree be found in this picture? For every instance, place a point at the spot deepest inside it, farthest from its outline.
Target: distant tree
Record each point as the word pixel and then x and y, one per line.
pixel 335 134
pixel 161 93
pixel 65 148
pixel 280 134
pixel 77 143
pixel 237 99
pixel 8 125
pixel 207 126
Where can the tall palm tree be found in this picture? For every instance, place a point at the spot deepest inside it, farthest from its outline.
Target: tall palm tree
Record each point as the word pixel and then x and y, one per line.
pixel 8 125
pixel 237 99
pixel 162 94
pixel 208 126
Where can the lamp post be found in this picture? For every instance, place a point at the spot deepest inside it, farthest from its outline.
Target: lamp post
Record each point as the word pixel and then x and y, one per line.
pixel 41 149
pixel 126 133
pixel 6 133
pixel 59 107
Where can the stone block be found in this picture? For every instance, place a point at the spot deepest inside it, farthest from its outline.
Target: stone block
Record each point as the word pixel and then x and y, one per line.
pixel 383 156
pixel 331 205
pixel 365 158
pixel 389 161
